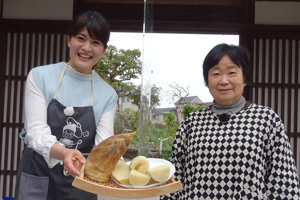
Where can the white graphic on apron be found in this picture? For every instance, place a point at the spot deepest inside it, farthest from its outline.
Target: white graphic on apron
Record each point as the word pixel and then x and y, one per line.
pixel 69 132
pixel 72 133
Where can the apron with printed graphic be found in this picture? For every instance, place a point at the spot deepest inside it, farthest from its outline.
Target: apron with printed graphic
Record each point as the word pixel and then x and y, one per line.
pixel 75 128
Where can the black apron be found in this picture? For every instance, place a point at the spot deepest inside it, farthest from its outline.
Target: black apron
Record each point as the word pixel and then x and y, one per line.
pixel 75 128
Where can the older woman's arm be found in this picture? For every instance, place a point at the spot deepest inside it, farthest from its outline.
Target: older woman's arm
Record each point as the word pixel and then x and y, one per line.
pixel 282 178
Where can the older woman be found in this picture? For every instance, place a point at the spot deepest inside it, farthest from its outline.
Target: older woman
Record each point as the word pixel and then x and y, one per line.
pixel 233 149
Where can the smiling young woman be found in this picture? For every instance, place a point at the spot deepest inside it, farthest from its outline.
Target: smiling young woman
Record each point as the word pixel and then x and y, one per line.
pixel 64 116
pixel 85 51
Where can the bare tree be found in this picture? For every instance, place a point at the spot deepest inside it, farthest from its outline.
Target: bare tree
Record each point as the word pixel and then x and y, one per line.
pixel 177 93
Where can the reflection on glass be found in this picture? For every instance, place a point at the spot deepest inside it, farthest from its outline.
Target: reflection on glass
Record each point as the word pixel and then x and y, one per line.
pixel 145 99
pixel 150 62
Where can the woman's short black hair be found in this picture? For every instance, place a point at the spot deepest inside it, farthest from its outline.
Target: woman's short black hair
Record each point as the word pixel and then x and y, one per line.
pixel 97 26
pixel 238 54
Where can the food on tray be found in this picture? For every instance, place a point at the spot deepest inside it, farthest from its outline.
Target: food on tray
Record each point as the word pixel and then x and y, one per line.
pixel 137 178
pixel 121 173
pixel 103 158
pixel 140 163
pixel 160 173
pixel 139 173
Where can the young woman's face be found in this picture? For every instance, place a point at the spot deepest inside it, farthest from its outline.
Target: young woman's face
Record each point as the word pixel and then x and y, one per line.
pixel 226 82
pixel 85 51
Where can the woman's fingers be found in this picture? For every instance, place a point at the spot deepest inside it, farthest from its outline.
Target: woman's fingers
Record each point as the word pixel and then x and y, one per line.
pixel 72 161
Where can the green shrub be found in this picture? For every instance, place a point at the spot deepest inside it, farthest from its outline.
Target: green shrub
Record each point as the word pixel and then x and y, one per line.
pixel 166 154
pixel 188 108
pixel 118 127
pixel 134 141
pixel 170 122
pixel 154 141
pixel 135 119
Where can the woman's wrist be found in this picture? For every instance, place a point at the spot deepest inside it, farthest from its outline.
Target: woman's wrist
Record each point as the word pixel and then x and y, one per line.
pixel 58 151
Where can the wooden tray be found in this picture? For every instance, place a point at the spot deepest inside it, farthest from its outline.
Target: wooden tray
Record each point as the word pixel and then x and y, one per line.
pixel 112 189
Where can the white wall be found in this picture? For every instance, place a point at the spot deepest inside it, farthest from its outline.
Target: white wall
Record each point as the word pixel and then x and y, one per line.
pixel 277 13
pixel 38 9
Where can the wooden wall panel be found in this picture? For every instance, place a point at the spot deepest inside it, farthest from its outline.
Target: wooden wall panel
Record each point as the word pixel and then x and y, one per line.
pixel 24 49
pixel 274 79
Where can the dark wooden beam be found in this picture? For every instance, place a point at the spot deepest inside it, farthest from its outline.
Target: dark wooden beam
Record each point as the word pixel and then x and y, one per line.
pixel 78 7
pixel 129 17
pixel 202 13
pixel 1 9
pixel 171 2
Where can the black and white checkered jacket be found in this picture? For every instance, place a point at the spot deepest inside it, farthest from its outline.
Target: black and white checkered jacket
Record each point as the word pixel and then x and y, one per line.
pixel 247 157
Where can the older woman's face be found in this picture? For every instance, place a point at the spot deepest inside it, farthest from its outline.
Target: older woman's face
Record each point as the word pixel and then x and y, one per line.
pixel 226 82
